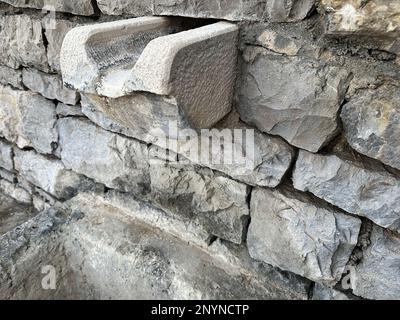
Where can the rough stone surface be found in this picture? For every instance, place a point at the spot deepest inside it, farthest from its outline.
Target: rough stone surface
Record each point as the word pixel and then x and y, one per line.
pixel 216 202
pixel 377 276
pixel 294 98
pixel 48 174
pixel 155 265
pixel 64 110
pixel 10 76
pixel 6 156
pixel 16 192
pixel 371 122
pixel 237 10
pixel 22 43
pixel 113 160
pixel 27 119
pixel 348 185
pixel 79 7
pixel 290 232
pixel 322 292
pixel 157 120
pixel 355 17
pixel 49 86
pixel 55 32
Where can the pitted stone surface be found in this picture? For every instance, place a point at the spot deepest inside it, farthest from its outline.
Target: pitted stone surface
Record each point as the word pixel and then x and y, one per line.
pixel 348 185
pixel 295 98
pixel 371 122
pixel 80 7
pixel 27 119
pixel 49 86
pixel 10 76
pixel 21 42
pixel 290 232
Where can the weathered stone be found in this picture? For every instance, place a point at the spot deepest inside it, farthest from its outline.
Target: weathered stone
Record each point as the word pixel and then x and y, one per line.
pixel 27 119
pixel 6 156
pixel 371 121
pixel 371 193
pixel 49 86
pixel 154 265
pixel 278 43
pixel 294 98
pixel 125 7
pixel 238 10
pixel 377 276
pixel 22 43
pixel 322 292
pixel 55 32
pixel 197 67
pixel 48 174
pixel 217 203
pixel 290 232
pixel 64 110
pixel 16 192
pixel 369 18
pixel 113 160
pixel 10 76
pixel 157 120
pixel 79 7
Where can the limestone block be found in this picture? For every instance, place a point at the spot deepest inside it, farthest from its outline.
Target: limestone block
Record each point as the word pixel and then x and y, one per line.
pixel 28 120
pixel 16 192
pixel 322 292
pixel 295 98
pixel 234 10
pixel 55 32
pixel 371 122
pixel 371 193
pixel 196 66
pixel 157 120
pixel 107 158
pixel 377 276
pixel 370 18
pixel 217 203
pixel 48 174
pixel 10 76
pixel 49 86
pixel 65 110
pixel 22 43
pixel 290 232
pixel 78 7
pixel 6 156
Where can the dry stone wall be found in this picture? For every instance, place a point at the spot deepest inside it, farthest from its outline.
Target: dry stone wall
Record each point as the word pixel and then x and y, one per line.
pixel 88 92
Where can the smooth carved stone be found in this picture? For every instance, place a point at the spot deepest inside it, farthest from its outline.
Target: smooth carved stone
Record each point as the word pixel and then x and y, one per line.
pixel 377 276
pixel 113 160
pixel 49 86
pixel 55 31
pixel 157 120
pixel 374 194
pixel 215 202
pixel 371 121
pixel 294 98
pixel 6 156
pixel 22 43
pixel 375 17
pixel 78 7
pixel 28 120
pixel 10 76
pixel 48 174
pixel 237 10
pixel 197 67
pixel 290 232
